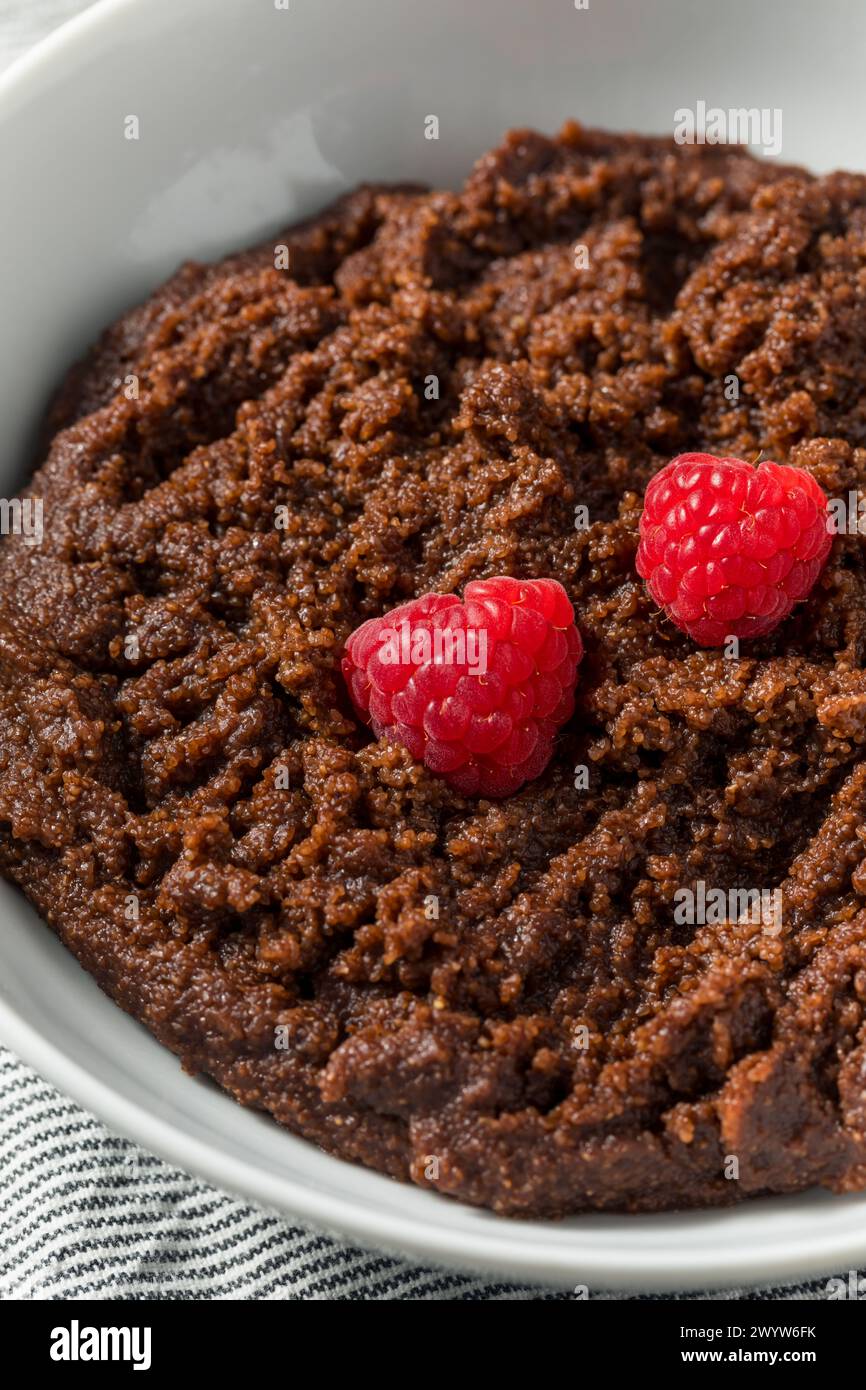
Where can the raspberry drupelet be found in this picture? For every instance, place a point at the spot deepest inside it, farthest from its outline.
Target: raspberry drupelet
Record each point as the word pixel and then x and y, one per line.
pixel 727 548
pixel 476 690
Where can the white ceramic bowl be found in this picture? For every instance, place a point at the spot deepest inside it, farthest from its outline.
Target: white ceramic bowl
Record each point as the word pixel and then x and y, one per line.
pixel 251 116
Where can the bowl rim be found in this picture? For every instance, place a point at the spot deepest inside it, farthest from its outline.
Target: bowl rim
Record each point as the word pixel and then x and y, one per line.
pixel 68 31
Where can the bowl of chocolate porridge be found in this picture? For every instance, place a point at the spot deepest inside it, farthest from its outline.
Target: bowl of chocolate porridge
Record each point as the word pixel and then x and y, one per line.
pixel 433 620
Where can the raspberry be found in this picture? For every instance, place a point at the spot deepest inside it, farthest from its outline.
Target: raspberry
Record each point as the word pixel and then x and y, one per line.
pixel 475 690
pixel 727 549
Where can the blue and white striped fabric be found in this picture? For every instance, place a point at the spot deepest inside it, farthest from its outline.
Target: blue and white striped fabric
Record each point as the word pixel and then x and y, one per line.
pixel 84 1214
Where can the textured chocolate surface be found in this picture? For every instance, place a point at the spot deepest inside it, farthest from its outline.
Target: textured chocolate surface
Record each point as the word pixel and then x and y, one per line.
pixel 187 799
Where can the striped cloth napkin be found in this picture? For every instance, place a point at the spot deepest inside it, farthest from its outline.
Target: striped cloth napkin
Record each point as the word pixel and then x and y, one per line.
pixel 85 1214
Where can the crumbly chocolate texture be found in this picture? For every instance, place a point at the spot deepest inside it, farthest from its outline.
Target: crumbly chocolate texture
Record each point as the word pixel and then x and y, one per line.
pixel 553 1038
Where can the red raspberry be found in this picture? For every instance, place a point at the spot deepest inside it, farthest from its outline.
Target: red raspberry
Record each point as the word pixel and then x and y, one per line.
pixel 727 549
pixel 475 690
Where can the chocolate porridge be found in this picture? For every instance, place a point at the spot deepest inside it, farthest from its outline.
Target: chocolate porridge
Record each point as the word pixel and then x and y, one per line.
pixel 258 460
